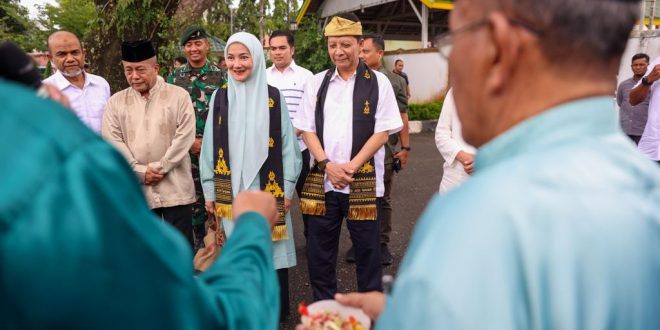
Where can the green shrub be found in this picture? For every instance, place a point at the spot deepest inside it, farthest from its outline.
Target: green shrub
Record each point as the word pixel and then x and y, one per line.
pixel 424 111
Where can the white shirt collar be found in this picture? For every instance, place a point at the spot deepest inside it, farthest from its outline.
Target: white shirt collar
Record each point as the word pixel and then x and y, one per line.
pixel 61 82
pixel 336 74
pixel 293 67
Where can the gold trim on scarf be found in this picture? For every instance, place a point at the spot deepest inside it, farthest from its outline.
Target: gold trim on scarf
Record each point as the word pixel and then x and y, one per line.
pixel 312 199
pixel 279 233
pixel 221 167
pixel 362 199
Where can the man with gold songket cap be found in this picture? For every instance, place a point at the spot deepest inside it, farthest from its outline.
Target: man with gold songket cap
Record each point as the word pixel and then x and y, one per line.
pixel 152 124
pixel 346 115
pixel 200 77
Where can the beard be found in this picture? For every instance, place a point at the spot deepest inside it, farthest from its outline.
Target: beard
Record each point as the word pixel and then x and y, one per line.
pixel 71 74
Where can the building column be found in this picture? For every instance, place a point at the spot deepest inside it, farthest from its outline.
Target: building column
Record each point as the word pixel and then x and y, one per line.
pixel 425 26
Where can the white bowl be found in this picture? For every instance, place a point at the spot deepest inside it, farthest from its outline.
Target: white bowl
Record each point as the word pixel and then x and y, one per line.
pixel 345 311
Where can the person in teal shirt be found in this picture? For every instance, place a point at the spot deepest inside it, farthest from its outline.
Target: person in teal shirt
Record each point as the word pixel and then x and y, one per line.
pixel 80 248
pixel 559 228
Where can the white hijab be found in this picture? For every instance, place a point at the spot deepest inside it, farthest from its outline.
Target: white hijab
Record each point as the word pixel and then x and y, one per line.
pixel 249 116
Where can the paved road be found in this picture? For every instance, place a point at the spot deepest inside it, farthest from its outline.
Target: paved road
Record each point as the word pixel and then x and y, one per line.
pixel 413 187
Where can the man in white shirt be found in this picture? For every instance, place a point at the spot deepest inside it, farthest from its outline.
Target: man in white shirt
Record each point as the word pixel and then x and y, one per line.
pixel 290 79
pixel 347 114
pixel 87 93
pixel 649 144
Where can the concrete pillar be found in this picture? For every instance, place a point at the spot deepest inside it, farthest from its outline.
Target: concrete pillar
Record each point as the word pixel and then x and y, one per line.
pixel 425 26
pixel 652 16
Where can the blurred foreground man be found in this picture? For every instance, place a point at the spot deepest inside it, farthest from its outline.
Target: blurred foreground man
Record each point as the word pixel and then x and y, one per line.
pixel 559 228
pixel 88 253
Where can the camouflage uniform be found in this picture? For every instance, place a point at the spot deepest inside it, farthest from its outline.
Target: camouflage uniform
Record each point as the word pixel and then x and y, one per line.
pixel 200 83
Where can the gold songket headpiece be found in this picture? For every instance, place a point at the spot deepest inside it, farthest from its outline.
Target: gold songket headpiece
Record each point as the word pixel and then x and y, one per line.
pixel 343 27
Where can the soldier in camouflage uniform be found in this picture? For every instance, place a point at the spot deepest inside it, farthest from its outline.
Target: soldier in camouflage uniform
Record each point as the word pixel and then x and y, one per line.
pixel 200 77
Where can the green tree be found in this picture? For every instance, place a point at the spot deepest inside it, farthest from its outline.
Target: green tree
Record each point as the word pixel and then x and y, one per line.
pixel 247 16
pixel 311 47
pixel 15 25
pixel 128 20
pixel 76 16
pixel 49 69
pixel 218 19
pixel 279 17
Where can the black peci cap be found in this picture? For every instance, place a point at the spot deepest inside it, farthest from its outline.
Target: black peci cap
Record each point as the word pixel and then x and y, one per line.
pixel 137 51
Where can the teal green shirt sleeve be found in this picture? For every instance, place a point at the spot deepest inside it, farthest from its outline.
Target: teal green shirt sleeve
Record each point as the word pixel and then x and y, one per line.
pixel 80 249
pixel 291 156
pixel 206 156
pixel 248 252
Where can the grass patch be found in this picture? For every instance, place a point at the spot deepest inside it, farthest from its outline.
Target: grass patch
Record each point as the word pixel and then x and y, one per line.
pixel 424 111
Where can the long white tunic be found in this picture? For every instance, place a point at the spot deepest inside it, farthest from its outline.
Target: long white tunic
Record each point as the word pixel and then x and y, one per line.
pixel 449 140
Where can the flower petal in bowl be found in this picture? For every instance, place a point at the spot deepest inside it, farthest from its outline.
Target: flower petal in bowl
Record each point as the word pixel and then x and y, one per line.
pixel 331 306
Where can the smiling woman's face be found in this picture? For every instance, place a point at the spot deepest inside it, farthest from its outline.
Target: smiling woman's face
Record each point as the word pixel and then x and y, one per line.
pixel 239 62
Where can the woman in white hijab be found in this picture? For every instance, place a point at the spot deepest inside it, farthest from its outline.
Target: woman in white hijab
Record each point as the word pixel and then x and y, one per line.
pixel 242 143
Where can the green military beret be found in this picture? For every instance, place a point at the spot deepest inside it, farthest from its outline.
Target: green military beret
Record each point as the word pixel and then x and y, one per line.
pixel 192 33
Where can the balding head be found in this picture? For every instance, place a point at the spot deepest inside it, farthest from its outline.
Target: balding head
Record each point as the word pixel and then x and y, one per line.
pixel 59 36
pixel 66 53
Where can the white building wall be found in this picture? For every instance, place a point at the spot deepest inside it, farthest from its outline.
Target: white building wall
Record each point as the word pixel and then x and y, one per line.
pixel 427 72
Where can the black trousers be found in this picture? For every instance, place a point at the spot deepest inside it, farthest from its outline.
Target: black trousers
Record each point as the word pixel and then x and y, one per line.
pixel 301 182
pixel 179 216
pixel 386 206
pixel 283 278
pixel 323 244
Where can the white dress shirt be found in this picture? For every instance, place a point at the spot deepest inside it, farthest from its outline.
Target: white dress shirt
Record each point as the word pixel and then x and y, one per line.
pixel 649 144
pixel 291 84
pixel 449 140
pixel 338 120
pixel 89 102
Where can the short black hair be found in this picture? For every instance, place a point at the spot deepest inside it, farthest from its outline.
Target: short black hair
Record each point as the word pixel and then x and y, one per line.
pixel 377 39
pixel 397 61
pixel 349 16
pixel 641 55
pixel 566 41
pixel 281 33
pixel 181 60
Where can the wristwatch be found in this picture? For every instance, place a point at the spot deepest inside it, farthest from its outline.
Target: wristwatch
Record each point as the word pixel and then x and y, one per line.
pixel 322 164
pixel 405 148
pixel 646 82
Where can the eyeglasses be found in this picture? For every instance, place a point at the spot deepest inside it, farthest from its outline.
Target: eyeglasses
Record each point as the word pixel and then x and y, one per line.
pixel 445 41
